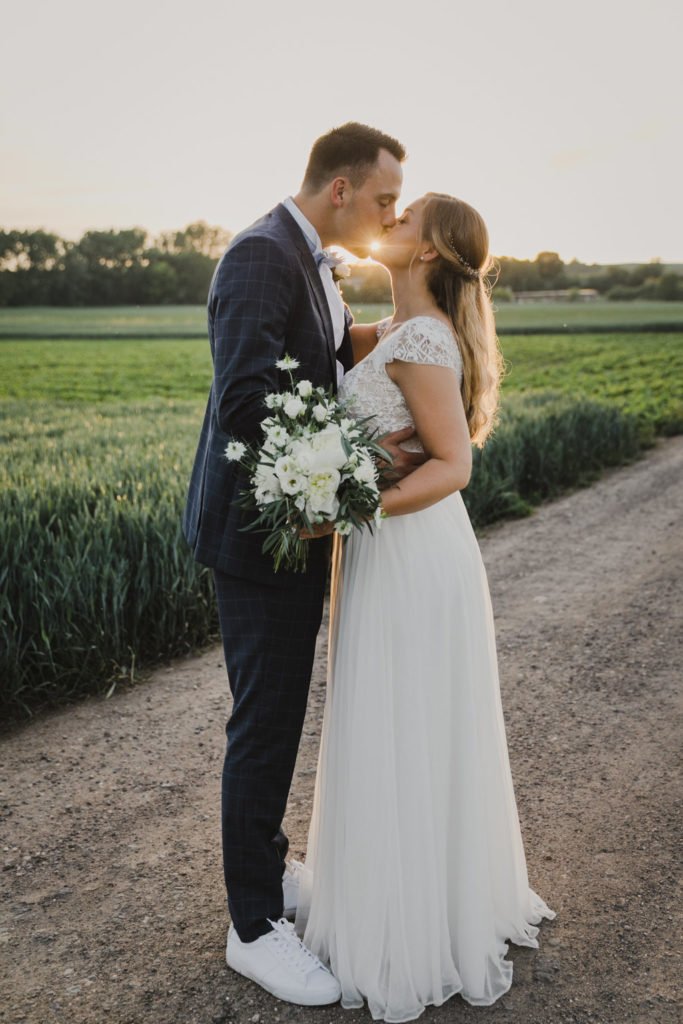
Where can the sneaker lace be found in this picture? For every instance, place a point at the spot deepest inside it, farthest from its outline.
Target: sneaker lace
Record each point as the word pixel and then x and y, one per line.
pixel 292 949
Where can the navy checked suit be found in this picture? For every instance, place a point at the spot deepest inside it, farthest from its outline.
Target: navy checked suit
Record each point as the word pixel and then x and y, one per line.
pixel 266 299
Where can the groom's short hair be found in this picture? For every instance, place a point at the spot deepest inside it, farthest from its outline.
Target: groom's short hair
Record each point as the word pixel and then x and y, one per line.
pixel 351 150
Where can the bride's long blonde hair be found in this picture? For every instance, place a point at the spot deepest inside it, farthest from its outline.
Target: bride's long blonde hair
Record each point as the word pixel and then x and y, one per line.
pixel 457 279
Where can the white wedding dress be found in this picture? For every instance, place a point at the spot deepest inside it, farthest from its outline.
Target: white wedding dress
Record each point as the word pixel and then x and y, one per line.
pixel 415 875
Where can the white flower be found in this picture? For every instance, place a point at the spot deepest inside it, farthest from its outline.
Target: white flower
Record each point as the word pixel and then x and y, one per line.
pixel 349 428
pixel 287 363
pixel 277 435
pixel 379 516
pixel 274 400
pixel 305 388
pixel 270 448
pixel 294 407
pixel 267 486
pixel 319 413
pixel 322 493
pixel 327 450
pixel 263 497
pixel 341 271
pixel 302 453
pixel 343 527
pixel 235 451
pixel 292 480
pixel 366 471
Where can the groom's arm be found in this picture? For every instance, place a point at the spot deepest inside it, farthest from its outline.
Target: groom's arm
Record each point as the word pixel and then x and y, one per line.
pixel 363 340
pixel 250 305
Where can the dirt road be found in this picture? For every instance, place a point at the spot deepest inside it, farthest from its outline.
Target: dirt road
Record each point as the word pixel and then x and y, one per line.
pixel 112 906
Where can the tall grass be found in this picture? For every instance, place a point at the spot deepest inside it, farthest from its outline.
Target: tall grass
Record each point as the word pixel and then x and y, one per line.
pixel 96 577
pixel 544 445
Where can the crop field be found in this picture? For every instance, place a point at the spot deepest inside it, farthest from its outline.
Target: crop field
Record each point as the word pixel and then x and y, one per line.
pixel 99 438
pixel 640 373
pixel 190 321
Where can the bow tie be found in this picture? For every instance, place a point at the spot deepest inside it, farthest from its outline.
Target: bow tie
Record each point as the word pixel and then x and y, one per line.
pixel 323 256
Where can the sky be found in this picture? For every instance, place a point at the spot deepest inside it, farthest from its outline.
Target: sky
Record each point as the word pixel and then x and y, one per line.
pixel 560 123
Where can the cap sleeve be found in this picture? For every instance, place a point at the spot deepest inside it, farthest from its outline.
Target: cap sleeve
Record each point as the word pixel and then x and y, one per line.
pixel 424 341
pixel 382 326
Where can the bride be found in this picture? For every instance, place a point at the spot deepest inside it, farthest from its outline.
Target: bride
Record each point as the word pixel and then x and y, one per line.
pixel 415 876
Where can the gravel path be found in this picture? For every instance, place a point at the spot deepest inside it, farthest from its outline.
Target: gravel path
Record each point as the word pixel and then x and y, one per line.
pixel 111 899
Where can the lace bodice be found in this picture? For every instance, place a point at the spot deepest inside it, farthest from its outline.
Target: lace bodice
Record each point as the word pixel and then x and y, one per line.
pixel 368 389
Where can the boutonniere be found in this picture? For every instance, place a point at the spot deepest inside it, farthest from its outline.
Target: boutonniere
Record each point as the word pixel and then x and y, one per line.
pixel 341 272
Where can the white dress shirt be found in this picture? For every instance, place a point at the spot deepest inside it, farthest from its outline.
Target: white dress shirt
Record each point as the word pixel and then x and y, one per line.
pixel 332 293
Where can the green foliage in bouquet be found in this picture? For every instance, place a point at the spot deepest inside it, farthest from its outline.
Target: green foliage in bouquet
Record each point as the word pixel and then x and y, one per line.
pixel 316 465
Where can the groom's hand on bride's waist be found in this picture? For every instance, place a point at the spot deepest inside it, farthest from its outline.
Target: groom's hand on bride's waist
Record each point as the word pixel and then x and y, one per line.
pixel 403 462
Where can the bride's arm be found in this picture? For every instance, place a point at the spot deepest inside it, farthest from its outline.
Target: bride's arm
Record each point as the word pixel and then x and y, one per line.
pixel 432 394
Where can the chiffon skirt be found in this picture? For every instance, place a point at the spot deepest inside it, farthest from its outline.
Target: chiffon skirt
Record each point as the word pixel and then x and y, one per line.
pixel 415 876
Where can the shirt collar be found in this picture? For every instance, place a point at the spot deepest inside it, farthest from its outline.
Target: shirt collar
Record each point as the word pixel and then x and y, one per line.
pixel 309 232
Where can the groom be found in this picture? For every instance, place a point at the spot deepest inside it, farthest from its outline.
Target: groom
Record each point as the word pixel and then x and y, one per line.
pixel 273 293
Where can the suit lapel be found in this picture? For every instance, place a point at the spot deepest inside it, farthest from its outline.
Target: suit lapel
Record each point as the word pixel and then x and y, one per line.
pixel 313 276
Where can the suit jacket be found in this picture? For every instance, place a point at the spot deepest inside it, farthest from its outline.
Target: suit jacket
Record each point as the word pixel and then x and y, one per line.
pixel 266 299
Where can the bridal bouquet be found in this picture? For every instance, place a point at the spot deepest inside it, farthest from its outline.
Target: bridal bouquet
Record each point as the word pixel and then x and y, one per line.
pixel 315 465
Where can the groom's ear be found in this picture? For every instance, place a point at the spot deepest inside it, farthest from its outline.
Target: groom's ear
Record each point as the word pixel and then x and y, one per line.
pixel 339 191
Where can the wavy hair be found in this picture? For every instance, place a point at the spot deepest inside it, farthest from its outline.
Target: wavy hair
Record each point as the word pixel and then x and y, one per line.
pixel 458 280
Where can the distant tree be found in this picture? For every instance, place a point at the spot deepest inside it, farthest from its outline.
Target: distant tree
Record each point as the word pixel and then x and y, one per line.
pixel 115 250
pixel 670 287
pixel 198 237
pixel 30 250
pixel 161 283
pixel 518 275
pixel 201 237
pixel 550 269
pixel 72 287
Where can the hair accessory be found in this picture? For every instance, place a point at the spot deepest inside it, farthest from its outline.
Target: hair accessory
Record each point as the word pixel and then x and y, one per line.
pixel 469 269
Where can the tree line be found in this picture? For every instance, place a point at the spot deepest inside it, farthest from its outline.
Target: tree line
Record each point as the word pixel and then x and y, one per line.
pixel 109 268
pixel 130 268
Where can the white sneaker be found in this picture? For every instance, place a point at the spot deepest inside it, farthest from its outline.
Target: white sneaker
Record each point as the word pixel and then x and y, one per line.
pixel 281 964
pixel 290 887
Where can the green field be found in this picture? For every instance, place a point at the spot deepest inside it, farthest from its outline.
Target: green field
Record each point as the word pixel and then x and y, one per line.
pixel 97 579
pixel 99 438
pixel 640 373
pixel 190 321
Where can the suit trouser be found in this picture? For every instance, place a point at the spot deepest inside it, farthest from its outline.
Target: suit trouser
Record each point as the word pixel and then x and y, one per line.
pixel 269 636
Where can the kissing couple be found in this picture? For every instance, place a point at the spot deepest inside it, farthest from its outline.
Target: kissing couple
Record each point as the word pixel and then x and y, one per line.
pixel 415 876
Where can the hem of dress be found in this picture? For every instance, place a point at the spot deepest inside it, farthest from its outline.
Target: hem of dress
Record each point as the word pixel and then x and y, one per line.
pixel 399 1020
pixel 540 912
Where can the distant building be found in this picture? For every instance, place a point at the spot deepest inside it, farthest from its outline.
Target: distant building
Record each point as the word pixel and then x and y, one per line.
pixel 559 295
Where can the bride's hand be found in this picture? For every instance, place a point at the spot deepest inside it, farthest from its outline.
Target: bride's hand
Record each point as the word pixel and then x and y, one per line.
pixel 404 462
